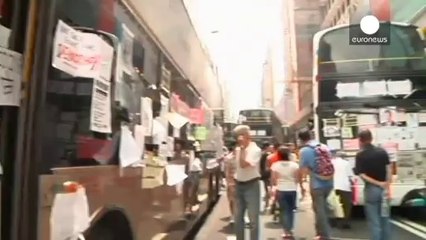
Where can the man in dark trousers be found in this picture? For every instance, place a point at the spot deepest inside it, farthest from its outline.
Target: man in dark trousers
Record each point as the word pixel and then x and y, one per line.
pixel 373 166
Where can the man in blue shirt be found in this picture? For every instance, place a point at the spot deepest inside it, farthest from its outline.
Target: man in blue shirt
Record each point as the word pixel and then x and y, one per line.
pixel 319 188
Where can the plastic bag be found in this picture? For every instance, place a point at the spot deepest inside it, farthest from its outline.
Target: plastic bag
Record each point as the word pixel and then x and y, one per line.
pixel 130 152
pixel 335 205
pixel 70 215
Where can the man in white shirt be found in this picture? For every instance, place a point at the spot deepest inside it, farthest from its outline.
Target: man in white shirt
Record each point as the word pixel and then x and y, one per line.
pixel 343 186
pixel 194 175
pixel 247 188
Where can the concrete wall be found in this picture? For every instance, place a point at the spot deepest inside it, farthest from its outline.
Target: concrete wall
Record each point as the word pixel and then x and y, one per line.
pixel 303 21
pixel 170 23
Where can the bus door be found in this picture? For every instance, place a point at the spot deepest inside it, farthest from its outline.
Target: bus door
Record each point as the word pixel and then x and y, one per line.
pixel 56 106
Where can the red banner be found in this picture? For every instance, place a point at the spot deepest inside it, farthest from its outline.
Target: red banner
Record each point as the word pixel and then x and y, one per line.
pixel 197 116
pixel 179 106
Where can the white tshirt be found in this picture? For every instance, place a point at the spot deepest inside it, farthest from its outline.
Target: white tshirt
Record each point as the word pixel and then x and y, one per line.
pixel 286 171
pixel 196 165
pixel 293 157
pixel 342 174
pixel 253 155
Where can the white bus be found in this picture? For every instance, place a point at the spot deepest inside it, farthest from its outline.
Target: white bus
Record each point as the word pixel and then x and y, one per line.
pixel 354 85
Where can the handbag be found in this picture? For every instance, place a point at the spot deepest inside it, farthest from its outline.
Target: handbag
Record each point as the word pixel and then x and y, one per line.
pixel 335 205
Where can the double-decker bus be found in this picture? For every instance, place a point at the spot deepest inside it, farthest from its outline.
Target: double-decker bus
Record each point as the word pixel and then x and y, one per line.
pixel 264 124
pixel 53 137
pixel 376 87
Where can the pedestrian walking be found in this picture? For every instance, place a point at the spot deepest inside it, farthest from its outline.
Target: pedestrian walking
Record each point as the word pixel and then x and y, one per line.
pixel 372 164
pixel 194 176
pixel 285 177
pixel 315 160
pixel 247 178
pixel 230 167
pixel 265 171
pixel 293 155
pixel 272 158
pixel 343 175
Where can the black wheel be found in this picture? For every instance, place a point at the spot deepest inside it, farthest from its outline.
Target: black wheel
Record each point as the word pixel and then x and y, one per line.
pixel 101 233
pixel 111 226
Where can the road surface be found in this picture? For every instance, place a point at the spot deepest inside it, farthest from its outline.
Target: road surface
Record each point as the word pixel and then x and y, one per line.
pixel 217 226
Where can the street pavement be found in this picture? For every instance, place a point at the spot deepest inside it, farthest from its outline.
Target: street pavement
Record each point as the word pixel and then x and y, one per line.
pixel 217 226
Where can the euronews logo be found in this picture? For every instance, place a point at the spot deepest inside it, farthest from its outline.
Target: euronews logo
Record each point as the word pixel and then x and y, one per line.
pixel 370 31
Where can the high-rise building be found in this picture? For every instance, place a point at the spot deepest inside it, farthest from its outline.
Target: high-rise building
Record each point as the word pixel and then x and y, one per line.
pixel 268 81
pixel 302 20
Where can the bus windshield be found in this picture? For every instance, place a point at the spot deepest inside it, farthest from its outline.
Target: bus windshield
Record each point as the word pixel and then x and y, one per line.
pixel 404 53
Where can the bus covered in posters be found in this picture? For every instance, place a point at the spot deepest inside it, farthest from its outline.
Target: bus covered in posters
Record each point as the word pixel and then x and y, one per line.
pixel 86 68
pixel 376 87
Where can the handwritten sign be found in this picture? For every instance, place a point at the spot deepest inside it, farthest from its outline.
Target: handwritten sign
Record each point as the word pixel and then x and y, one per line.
pixel 77 53
pixel 10 77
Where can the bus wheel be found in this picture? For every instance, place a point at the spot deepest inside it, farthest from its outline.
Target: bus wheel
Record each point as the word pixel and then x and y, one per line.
pixel 112 226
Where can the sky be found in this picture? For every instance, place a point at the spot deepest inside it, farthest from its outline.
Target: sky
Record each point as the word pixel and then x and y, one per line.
pixel 237 34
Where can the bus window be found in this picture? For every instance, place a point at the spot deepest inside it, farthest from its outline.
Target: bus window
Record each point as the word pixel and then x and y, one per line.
pixel 6 9
pixel 405 52
pixel 69 140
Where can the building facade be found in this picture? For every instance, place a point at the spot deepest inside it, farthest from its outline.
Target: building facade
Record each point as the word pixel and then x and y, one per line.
pixel 302 19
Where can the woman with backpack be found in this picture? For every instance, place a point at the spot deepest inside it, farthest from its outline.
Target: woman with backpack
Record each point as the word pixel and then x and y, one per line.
pixel 285 176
